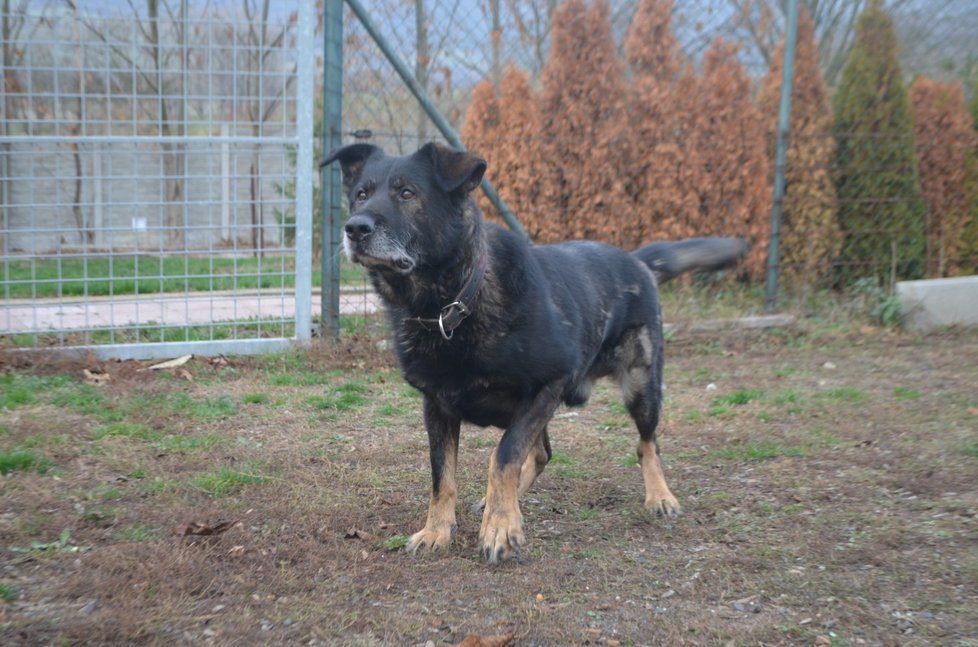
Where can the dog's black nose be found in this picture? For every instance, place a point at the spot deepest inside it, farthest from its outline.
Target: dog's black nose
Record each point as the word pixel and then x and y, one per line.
pixel 359 227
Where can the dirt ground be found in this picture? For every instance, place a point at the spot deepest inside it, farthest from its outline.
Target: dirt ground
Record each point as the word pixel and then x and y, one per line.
pixel 827 476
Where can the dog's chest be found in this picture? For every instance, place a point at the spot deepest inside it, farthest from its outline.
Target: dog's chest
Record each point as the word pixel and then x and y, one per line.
pixel 462 385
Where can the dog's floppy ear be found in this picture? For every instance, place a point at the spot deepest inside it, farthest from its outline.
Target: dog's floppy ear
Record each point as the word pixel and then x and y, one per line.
pixel 455 170
pixel 352 159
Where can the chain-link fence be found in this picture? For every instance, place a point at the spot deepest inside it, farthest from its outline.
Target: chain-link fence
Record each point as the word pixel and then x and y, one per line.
pixel 148 178
pixel 152 190
pixel 857 209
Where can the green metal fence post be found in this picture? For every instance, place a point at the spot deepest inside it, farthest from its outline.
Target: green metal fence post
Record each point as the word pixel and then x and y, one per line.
pixel 780 156
pixel 331 208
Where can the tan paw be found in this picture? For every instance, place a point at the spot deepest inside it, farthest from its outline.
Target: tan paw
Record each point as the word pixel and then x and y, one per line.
pixel 431 538
pixel 501 536
pixel 663 506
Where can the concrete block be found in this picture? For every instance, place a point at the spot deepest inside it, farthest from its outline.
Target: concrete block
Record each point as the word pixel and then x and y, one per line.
pixel 937 303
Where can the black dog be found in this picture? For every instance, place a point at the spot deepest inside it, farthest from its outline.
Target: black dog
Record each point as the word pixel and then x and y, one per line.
pixel 495 332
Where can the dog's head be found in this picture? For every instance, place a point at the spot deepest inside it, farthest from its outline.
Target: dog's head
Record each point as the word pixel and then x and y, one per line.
pixel 407 211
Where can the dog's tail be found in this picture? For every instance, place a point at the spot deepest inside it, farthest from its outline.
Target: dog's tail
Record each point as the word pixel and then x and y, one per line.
pixel 671 258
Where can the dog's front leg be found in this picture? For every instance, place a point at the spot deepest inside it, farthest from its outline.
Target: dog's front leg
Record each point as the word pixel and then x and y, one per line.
pixel 443 430
pixel 501 533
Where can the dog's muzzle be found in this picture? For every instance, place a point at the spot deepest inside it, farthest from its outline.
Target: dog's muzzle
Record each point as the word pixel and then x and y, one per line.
pixel 368 244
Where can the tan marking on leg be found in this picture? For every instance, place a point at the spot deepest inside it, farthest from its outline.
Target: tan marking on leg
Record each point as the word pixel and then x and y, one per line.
pixel 532 468
pixel 501 533
pixel 658 498
pixel 440 526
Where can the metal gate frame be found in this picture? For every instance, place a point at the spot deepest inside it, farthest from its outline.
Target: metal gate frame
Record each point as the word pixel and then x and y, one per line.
pixel 301 140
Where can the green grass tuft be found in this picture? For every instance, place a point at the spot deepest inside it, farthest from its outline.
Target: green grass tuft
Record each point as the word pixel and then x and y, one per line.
pixel 739 397
pixel 132 430
pixel 844 394
pixel 8 592
pixel 342 398
pixel 760 450
pixel 227 481
pixel 22 461
pixel 395 542
pixel 18 390
pixel 904 393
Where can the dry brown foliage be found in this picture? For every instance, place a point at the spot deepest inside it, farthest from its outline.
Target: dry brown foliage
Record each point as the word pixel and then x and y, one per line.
pixel 582 111
pixel 503 129
pixel 667 155
pixel 810 235
pixel 726 173
pixel 944 137
pixel 655 157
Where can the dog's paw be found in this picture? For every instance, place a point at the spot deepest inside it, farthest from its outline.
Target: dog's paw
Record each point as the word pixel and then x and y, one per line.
pixel 430 538
pixel 663 506
pixel 501 536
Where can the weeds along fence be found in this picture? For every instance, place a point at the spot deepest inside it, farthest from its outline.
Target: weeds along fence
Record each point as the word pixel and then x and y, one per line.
pixel 156 160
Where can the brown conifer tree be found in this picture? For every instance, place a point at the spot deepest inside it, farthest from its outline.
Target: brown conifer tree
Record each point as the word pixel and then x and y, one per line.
pixel 582 129
pixel 726 174
pixel 481 134
pixel 810 235
pixel 944 138
pixel 654 157
pixel 502 129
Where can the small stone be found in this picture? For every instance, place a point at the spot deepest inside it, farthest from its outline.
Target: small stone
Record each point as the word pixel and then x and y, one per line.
pixel 711 387
pixel 89 608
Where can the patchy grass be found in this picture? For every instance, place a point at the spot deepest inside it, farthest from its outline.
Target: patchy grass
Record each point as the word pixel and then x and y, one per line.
pixel 756 451
pixel 739 397
pixel 22 461
pixel 821 506
pixel 8 592
pixel 226 480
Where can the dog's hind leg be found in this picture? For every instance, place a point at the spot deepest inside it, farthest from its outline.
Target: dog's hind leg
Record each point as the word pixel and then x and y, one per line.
pixel 641 385
pixel 658 497
pixel 443 432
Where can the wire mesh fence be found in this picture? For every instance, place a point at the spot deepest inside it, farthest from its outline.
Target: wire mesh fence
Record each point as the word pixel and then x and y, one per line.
pixel 678 134
pixel 145 150
pixel 148 151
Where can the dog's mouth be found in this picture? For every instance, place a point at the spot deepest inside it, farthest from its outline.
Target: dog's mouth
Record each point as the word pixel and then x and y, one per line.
pixel 372 256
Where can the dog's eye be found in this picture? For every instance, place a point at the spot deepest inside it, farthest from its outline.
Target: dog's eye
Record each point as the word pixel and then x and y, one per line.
pixel 407 194
pixel 361 195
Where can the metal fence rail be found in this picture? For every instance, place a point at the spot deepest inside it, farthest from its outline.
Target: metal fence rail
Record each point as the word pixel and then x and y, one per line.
pixel 155 178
